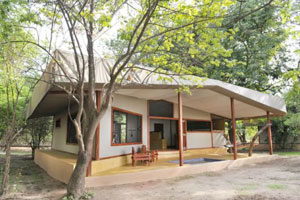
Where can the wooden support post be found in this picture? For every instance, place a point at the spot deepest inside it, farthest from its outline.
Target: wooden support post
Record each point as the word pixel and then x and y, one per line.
pixel 180 129
pixel 211 132
pixel 233 128
pixel 148 126
pixel 269 133
pixel 97 138
pixel 89 168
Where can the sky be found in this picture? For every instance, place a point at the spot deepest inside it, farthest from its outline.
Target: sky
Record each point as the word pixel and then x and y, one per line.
pixel 61 37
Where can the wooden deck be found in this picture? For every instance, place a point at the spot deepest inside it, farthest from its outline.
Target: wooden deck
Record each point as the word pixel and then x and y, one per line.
pixel 164 163
pixel 60 165
pixel 156 172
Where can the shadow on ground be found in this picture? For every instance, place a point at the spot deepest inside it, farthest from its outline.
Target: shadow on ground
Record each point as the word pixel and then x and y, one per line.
pixel 28 181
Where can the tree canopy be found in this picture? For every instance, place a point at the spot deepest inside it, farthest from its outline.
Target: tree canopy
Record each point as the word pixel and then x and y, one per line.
pixel 15 61
pixel 259 47
pixel 241 42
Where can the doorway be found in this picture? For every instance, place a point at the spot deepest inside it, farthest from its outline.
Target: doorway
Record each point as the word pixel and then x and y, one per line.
pixel 158 127
pixel 163 134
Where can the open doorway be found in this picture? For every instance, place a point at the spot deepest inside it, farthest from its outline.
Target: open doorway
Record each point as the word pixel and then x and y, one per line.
pixel 159 127
pixel 163 134
pixel 164 126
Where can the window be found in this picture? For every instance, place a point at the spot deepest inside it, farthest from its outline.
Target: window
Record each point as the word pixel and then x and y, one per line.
pixel 57 123
pixel 198 125
pixel 71 131
pixel 127 127
pixel 160 108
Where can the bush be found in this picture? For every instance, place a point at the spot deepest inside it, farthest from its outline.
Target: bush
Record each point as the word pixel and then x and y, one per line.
pixel 286 130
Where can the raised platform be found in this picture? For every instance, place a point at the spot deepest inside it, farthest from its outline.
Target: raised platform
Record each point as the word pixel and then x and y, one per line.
pixel 60 165
pixel 172 172
pixel 122 164
pixel 57 164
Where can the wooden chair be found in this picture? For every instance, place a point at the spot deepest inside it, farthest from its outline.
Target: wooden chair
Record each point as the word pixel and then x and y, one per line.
pixel 154 153
pixel 147 157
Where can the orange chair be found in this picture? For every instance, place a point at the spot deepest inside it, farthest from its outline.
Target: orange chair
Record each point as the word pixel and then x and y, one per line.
pixel 154 154
pixel 147 157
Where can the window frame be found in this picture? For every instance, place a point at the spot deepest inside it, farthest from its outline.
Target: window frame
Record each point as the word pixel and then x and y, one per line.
pixel 58 123
pixel 198 120
pixel 161 117
pixel 112 126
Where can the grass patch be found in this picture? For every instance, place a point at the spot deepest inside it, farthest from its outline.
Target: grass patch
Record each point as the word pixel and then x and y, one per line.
pixel 247 190
pixel 26 178
pixel 251 186
pixel 36 177
pixel 288 153
pixel 277 186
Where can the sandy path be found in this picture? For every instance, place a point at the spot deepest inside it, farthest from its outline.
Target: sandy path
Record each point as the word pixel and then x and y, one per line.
pixel 279 179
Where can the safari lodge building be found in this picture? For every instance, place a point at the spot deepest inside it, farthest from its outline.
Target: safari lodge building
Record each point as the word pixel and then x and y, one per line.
pixel 145 111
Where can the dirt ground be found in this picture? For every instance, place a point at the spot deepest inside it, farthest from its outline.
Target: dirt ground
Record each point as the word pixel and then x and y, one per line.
pixel 276 180
pixel 279 179
pixel 28 181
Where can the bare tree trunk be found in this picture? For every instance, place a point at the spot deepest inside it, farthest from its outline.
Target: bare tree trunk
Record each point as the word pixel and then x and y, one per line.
pixel 242 136
pixel 32 152
pixel 255 137
pixel 5 178
pixel 76 185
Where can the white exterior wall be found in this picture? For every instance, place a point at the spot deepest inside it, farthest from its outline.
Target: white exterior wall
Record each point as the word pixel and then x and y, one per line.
pixel 198 140
pixel 194 140
pixel 219 140
pixel 60 135
pixel 126 103
pixel 189 113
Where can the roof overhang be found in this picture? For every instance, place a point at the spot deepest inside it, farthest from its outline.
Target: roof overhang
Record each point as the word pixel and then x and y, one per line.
pixel 207 100
pixel 212 100
pixel 212 96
